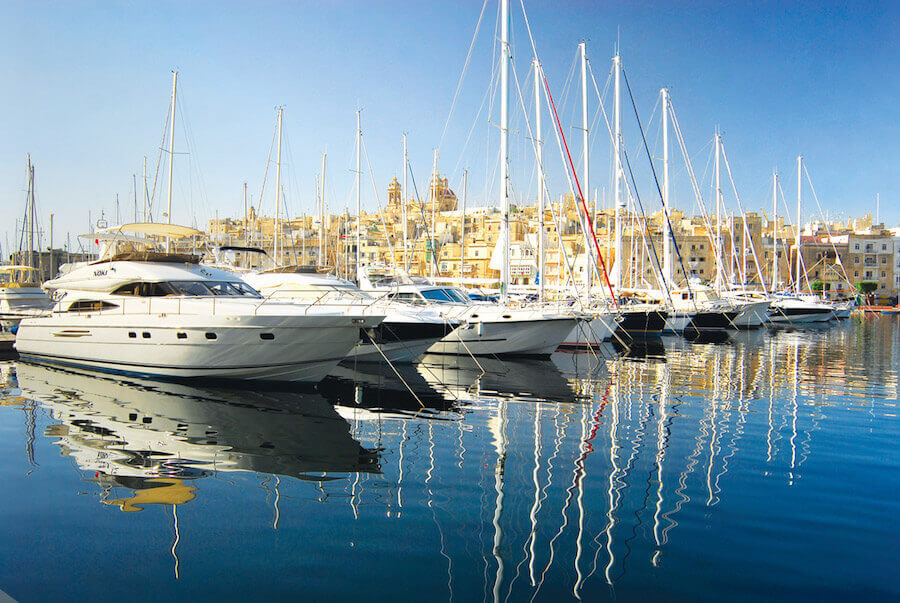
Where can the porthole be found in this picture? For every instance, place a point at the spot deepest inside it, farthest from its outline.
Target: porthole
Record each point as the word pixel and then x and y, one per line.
pixel 211 336
pixel 267 336
pixel 181 335
pixel 145 335
pixel 132 334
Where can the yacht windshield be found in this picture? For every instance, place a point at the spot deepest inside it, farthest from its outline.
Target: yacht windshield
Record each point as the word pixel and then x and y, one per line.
pixel 459 296
pixel 441 296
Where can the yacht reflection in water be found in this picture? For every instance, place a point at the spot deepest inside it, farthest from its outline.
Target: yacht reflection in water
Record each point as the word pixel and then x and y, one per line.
pixel 148 435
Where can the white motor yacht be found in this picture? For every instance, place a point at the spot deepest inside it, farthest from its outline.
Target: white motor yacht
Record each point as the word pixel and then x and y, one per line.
pixel 163 315
pixel 487 328
pixel 402 337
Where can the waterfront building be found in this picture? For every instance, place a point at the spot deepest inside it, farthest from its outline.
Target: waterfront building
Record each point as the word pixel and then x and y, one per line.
pixel 443 242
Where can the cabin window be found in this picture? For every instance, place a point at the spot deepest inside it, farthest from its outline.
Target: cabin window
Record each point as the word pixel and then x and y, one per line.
pixel 181 335
pixel 90 305
pixel 132 334
pixel 145 335
pixel 129 289
pixel 191 288
pixel 267 336
pixel 211 336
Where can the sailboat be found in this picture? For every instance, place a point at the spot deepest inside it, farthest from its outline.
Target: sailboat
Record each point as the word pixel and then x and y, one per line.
pixel 796 307
pixel 20 293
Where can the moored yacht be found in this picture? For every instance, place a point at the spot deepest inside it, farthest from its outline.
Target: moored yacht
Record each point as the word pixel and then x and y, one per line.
pixel 163 315
pixel 402 337
pixel 487 328
pixel 798 309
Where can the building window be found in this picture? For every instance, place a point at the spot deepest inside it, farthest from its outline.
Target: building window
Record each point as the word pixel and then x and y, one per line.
pixel 856 273
pixel 856 247
pixel 856 260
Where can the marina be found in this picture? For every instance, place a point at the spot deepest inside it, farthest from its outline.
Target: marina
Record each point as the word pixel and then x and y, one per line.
pixel 763 466
pixel 533 306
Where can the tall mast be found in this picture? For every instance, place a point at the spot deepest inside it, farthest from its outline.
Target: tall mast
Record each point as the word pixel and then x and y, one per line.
pixel 277 224
pixel 504 150
pixel 144 178
pixel 246 233
pixel 774 231
pixel 321 256
pixel 719 264
pixel 667 231
pixel 29 211
pixel 617 168
pixel 462 236
pixel 171 157
pixel 434 178
pixel 358 193
pixel 403 209
pixel 540 166
pixel 585 185
pixel 799 169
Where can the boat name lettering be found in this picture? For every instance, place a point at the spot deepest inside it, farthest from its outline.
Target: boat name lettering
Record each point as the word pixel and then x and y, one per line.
pixel 99 272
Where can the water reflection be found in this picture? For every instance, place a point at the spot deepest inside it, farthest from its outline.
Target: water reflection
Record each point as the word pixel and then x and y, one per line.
pixel 593 476
pixel 146 434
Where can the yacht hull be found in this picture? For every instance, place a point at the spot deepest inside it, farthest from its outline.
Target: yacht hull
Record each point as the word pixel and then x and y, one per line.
pixel 266 348
pixel 591 332
pixel 642 323
pixel 508 338
pixel 752 314
pixel 789 316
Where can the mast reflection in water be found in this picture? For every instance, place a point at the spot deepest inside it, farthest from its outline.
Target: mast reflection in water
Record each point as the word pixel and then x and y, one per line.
pixel 762 466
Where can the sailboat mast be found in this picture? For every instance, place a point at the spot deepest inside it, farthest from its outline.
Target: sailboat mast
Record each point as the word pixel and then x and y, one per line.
pixel 617 168
pixel 144 179
pixel 277 223
pixel 171 157
pixel 719 264
pixel 358 192
pixel 539 141
pixel 588 248
pixel 462 236
pixel 403 209
pixel 321 255
pixel 434 180
pixel 667 230
pixel 799 170
pixel 774 231
pixel 29 211
pixel 504 150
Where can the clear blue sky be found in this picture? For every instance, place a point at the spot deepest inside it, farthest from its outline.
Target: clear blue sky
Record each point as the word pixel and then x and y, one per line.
pixel 86 87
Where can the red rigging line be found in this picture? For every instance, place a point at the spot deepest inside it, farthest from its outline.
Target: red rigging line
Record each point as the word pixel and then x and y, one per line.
pixel 587 215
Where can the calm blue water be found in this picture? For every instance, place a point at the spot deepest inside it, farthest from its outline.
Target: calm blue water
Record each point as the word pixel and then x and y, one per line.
pixel 765 467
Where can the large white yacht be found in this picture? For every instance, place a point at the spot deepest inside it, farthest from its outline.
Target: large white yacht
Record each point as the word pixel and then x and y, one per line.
pixel 164 315
pixel 488 329
pixel 20 296
pixel 404 335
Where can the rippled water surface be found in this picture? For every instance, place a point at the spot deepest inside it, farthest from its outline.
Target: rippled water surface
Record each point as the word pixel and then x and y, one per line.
pixel 763 467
